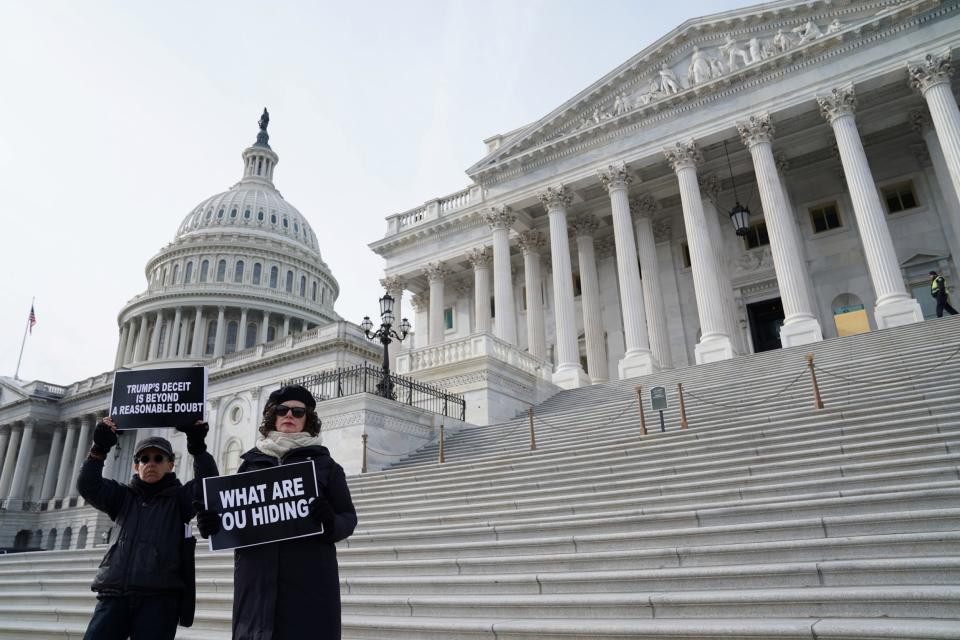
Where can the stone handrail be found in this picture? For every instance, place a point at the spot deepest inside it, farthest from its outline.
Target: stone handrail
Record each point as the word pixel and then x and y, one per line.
pixel 433 209
pixel 228 286
pixel 473 346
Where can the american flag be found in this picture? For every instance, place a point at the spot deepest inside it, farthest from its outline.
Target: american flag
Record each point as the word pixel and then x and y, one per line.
pixel 31 319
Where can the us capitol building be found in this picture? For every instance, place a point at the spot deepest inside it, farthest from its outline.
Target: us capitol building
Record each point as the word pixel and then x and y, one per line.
pixel 761 178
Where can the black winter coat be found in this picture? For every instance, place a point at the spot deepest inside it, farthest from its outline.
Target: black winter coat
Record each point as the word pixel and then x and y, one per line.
pixel 290 590
pixel 145 555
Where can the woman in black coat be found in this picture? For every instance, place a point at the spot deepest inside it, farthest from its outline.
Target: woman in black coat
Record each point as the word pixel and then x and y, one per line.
pixel 290 590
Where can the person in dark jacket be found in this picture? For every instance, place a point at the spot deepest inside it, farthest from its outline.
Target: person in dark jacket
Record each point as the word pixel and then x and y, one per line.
pixel 139 582
pixel 290 590
pixel 938 289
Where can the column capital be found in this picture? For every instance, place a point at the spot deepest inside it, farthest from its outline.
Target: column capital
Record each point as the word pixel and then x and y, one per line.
pixel 920 120
pixel 480 258
pixel 436 271
pixel 683 155
pixel 662 230
pixel 553 198
pixel 615 176
pixel 841 101
pixel 531 241
pixel 462 288
pixel 605 247
pixel 709 187
pixel 782 162
pixel 757 129
pixel 392 284
pixel 420 301
pixel 221 308
pixel 935 69
pixel 644 206
pixel 499 217
pixel 585 224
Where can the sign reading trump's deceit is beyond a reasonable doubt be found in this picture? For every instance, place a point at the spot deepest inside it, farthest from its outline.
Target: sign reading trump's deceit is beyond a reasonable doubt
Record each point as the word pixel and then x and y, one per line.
pixel 153 398
pixel 262 506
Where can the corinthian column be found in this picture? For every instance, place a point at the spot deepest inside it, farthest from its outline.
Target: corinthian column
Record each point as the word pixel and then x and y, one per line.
pixel 894 305
pixel 53 463
pixel 480 259
pixel 644 209
pixel 141 350
pixel 83 442
pixel 584 227
pixel 10 460
pixel 638 360
pixel 710 196
pixel 155 337
pixel 196 351
pixel 923 124
pixel 173 337
pixel 24 457
pixel 436 272
pixel 531 243
pixel 66 457
pixel 122 347
pixel 220 338
pixel 500 219
pixel 800 324
pixel 568 373
pixel 714 342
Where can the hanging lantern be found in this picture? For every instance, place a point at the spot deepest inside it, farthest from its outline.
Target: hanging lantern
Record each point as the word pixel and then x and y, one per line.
pixel 740 217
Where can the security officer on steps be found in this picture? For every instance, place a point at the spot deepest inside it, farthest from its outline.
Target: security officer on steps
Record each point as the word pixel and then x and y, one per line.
pixel 938 289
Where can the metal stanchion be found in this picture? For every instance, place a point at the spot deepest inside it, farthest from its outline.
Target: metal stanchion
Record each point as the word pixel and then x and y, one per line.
pixel 817 400
pixel 683 407
pixel 441 445
pixel 533 436
pixel 363 469
pixel 643 420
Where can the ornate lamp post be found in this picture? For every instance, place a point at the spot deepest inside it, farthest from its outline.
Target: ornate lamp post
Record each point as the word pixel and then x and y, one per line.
pixel 386 335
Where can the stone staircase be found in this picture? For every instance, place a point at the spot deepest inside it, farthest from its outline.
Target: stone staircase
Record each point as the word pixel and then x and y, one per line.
pixel 766 518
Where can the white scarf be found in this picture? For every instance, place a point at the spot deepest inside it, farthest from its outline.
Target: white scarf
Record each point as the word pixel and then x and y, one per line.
pixel 277 444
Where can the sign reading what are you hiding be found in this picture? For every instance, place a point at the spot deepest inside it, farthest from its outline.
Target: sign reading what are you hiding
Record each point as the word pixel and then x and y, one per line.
pixel 263 506
pixel 157 398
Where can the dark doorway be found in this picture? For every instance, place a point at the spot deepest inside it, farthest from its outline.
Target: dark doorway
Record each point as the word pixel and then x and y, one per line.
pixel 766 318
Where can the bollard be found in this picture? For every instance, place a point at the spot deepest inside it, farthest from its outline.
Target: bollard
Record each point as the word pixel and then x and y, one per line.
pixel 817 400
pixel 683 407
pixel 643 420
pixel 363 469
pixel 533 436
pixel 441 445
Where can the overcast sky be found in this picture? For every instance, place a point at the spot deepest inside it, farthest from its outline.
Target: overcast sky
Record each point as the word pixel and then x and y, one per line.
pixel 119 117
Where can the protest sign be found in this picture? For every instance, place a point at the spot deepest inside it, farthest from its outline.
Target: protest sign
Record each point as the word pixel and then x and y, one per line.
pixel 263 506
pixel 155 398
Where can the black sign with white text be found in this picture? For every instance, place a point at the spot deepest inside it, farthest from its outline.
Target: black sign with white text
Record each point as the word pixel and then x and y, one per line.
pixel 658 398
pixel 156 398
pixel 263 506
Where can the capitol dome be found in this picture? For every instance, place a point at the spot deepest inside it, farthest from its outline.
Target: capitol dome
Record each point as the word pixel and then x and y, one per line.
pixel 244 260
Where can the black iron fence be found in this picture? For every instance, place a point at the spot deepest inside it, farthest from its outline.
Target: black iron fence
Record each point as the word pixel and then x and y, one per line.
pixel 365 378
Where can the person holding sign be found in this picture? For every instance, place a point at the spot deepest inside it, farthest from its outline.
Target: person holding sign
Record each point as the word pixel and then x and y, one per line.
pixel 290 590
pixel 141 590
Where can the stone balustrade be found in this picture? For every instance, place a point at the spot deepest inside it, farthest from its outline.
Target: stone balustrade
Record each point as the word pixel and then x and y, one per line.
pixel 474 346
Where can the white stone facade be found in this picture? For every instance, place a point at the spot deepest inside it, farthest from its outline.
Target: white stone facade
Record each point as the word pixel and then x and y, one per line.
pixel 842 130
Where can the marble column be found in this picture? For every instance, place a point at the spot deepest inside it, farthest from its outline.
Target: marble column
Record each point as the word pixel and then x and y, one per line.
pixel 568 373
pixel 480 259
pixel 421 305
pixel 500 219
pixel 923 124
pixel 894 306
pixel 132 338
pixel 286 327
pixel 531 242
pixel 638 359
pixel 584 228
pixel 173 336
pixel 196 349
pixel 122 346
pixel 155 336
pixel 242 330
pixel 715 344
pixel 800 324
pixel 66 458
pixel 53 463
pixel 22 470
pixel 10 460
pixel 220 339
pixel 265 327
pixel 643 209
pixel 141 351
pixel 783 165
pixel 4 439
pixel 436 273
pixel 83 446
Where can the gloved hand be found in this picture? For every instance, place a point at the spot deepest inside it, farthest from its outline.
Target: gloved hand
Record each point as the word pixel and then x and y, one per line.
pixel 104 437
pixel 195 436
pixel 322 513
pixel 208 520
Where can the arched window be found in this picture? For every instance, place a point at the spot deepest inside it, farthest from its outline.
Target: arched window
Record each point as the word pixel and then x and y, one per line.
pixel 303 286
pixel 256 272
pixel 233 213
pixel 231 336
pixel 221 270
pixel 204 268
pixel 286 223
pixel 271 333
pixel 231 457
pixel 273 218
pixel 52 539
pixel 274 272
pixel 289 284
pixel 219 214
pixel 67 538
pixel 260 216
pixel 188 273
pixel 211 337
pixel 314 290
pixel 163 276
pixel 246 214
pixel 82 538
pixel 176 273
pixel 250 338
pixel 238 271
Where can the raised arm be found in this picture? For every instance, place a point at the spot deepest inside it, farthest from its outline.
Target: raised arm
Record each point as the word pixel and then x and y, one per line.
pixel 104 495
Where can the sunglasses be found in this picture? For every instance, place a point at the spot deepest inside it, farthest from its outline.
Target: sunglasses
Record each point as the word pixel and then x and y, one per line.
pixel 144 459
pixel 282 409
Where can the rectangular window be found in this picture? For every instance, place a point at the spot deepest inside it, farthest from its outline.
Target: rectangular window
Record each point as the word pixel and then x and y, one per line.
pixel 577 290
pixel 756 236
pixel 900 196
pixel 824 217
pixel 685 255
pixel 493 308
pixel 448 318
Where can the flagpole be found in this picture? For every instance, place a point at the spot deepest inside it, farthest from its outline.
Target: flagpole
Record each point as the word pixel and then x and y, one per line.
pixel 24 342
